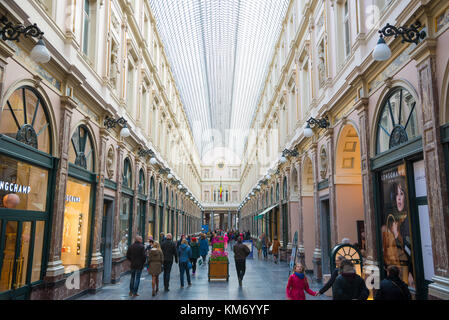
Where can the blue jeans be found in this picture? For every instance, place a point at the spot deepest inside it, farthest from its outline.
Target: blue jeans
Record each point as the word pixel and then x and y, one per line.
pixel 183 268
pixel 135 281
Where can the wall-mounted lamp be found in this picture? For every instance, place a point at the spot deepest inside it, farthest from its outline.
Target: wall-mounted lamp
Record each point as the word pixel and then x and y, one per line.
pixel 12 32
pixel 312 122
pixel 111 123
pixel 382 52
pixel 145 152
pixel 286 153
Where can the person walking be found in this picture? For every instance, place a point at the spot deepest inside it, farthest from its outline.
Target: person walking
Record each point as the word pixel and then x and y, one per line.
pixel 204 247
pixel 185 254
pixel 195 253
pixel 155 261
pixel 392 287
pixel 147 250
pixel 349 285
pixel 264 246
pixel 334 276
pixel 136 254
pixel 161 237
pixel 275 250
pixel 259 246
pixel 226 238
pixel 169 251
pixel 297 285
pixel 241 251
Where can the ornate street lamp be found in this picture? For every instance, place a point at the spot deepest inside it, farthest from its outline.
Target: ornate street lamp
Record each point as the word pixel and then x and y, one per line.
pixel 312 122
pixel 412 35
pixel 145 152
pixel 12 32
pixel 111 123
pixel 287 153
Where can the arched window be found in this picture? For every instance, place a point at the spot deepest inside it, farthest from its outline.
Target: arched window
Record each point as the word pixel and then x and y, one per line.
pixel 398 122
pixel 166 196
pixel 141 186
pixel 172 199
pixel 160 192
pixel 152 188
pixel 81 151
pixel 277 192
pixel 176 202
pixel 24 117
pixel 127 174
pixel 271 195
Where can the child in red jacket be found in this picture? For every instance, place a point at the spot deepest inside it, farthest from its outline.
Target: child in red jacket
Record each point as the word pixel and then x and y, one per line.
pixel 297 284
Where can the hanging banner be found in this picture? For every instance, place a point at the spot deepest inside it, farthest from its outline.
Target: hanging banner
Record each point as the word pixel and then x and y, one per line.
pixel 396 238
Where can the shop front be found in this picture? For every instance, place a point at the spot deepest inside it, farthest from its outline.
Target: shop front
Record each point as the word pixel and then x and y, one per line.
pixel 402 213
pixel 151 232
pixel 126 209
pixel 27 172
pixel 141 206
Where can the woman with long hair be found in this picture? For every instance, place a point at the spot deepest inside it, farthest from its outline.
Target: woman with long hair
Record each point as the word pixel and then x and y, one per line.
pixel 297 284
pixel 155 261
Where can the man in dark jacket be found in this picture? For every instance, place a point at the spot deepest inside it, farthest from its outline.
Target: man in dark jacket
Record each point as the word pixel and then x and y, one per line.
pixel 334 276
pixel 136 254
pixel 349 285
pixel 392 287
pixel 168 248
pixel 241 251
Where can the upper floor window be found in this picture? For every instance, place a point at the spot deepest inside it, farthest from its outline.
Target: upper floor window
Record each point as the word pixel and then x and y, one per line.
pixel 141 186
pixel 152 188
pixel 127 174
pixel 346 22
pixel 81 151
pixel 398 122
pixel 24 117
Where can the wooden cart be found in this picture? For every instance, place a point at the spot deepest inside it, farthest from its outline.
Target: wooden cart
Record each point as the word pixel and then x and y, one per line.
pixel 219 270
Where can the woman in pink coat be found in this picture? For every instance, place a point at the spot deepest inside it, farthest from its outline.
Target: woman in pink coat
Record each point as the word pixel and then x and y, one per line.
pixel 298 284
pixel 225 238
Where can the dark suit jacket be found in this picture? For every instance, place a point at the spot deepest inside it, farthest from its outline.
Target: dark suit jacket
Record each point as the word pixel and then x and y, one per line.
pixel 136 254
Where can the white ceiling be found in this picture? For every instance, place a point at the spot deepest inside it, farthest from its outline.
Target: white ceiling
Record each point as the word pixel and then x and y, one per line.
pixel 219 52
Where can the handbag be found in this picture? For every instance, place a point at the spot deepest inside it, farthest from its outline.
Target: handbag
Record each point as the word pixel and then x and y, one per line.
pixel 189 265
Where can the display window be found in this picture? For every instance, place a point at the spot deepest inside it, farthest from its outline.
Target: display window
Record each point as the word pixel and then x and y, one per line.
pixel 395 223
pixel 75 239
pixel 125 214
pixel 22 186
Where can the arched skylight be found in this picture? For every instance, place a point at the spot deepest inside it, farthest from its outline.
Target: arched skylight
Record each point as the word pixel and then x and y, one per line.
pixel 219 52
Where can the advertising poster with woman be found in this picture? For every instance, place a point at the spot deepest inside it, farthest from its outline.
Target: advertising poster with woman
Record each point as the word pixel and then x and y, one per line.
pixel 396 239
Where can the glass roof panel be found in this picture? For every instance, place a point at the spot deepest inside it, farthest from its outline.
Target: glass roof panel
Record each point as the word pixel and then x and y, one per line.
pixel 219 52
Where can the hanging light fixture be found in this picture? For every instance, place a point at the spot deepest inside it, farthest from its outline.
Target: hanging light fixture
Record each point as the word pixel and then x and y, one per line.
pixel 153 161
pixel 381 52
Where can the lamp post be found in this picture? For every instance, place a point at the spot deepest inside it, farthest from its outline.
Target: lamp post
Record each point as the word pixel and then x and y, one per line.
pixel 12 32
pixel 412 35
pixel 287 153
pixel 312 122
pixel 111 123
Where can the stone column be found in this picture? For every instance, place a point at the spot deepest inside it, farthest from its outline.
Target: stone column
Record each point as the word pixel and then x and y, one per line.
pixel 361 106
pixel 149 206
pixel 317 268
pixel 301 250
pixel 5 52
pixel 55 269
pixel 97 259
pixel 330 151
pixel 135 214
pixel 116 254
pixel 425 56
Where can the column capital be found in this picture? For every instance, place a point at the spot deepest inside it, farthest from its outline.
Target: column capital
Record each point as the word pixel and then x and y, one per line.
pixel 427 48
pixel 68 103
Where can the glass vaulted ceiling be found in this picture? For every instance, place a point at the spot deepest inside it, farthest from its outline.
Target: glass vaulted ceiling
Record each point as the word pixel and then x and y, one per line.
pixel 219 52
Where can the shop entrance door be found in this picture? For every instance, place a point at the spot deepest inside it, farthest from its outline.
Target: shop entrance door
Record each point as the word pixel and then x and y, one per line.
pixel 15 259
pixel 325 235
pixel 106 240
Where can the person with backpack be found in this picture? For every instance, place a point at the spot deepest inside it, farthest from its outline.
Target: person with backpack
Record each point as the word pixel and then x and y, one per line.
pixel 392 287
pixel 349 285
pixel 185 254
pixel 204 247
pixel 195 253
pixel 241 251
pixel 297 284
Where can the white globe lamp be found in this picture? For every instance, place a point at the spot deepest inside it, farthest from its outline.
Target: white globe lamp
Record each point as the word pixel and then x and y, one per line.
pixel 125 132
pixel 381 52
pixel 40 53
pixel 308 132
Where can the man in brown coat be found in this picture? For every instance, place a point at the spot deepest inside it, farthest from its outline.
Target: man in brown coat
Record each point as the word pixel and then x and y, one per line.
pixel 241 251
pixel 275 250
pixel 136 254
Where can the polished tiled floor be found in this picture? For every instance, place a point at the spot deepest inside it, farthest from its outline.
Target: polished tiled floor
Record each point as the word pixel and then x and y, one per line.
pixel 264 280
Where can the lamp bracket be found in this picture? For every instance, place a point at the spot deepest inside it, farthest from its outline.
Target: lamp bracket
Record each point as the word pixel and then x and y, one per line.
pixel 321 123
pixel 412 34
pixel 12 32
pixel 111 123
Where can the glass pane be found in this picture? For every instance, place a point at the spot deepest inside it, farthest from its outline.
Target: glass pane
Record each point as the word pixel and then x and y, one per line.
pixel 89 153
pixel 72 152
pixel 75 237
pixel 8 256
pixel 124 225
pixel 22 259
pixel 38 247
pixel 22 186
